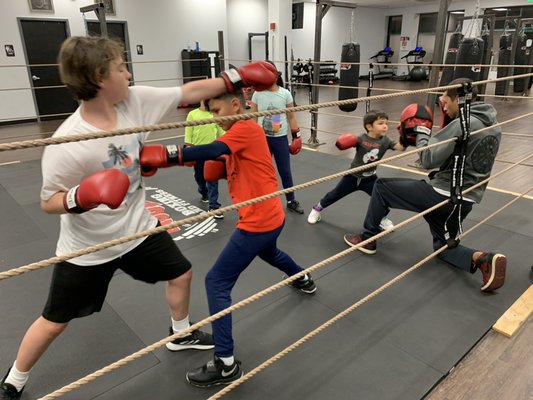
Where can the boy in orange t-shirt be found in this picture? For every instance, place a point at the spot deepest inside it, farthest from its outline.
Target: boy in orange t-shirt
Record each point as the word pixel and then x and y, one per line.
pixel 250 173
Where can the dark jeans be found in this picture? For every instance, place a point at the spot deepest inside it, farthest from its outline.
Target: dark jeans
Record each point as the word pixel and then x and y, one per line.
pixel 348 184
pixel 239 252
pixel 206 188
pixel 417 196
pixel 279 148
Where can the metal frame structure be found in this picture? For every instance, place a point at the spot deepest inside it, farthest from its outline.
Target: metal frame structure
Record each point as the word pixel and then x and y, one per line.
pixel 250 36
pixel 322 8
pixel 99 10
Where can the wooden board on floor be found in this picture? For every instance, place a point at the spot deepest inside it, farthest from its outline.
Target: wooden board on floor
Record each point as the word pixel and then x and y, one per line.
pixel 515 316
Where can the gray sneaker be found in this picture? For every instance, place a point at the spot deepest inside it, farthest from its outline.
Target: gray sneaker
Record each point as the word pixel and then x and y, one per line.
pixel 294 206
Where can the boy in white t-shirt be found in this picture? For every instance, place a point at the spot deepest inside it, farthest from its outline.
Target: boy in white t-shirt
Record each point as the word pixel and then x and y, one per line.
pixel 97 188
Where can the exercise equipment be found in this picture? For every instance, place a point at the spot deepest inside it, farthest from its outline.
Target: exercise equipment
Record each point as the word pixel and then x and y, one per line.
pixel 415 56
pixel 470 54
pixel 349 74
pixel 504 58
pixel 520 59
pixel 485 60
pixel 418 74
pixel 451 56
pixel 382 57
pixel 302 71
pixel 328 72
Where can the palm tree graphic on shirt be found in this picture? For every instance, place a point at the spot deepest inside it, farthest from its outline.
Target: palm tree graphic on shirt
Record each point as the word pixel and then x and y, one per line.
pixel 119 156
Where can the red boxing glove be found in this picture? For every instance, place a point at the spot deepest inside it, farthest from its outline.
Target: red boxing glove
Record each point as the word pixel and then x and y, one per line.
pixel 159 156
pixel 296 144
pixel 214 170
pixel 108 187
pixel 261 75
pixel 414 119
pixel 346 141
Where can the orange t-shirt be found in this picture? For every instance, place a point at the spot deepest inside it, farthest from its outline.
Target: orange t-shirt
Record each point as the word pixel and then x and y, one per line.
pixel 251 174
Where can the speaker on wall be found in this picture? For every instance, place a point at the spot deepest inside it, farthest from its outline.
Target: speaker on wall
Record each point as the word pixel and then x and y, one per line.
pixel 297 15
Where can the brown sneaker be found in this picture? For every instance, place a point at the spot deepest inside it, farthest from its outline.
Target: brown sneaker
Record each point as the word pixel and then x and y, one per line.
pixel 492 267
pixel 353 240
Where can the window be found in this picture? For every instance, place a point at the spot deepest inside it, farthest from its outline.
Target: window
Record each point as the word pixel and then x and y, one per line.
pixel 427 23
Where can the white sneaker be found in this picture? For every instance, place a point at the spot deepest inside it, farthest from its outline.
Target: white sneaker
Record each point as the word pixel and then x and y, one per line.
pixel 386 224
pixel 314 215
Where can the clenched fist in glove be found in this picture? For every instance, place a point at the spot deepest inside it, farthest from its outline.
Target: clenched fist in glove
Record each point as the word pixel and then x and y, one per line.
pixel 108 187
pixel 158 156
pixel 415 119
pixel 261 75
pixel 214 170
pixel 346 141
pixel 296 144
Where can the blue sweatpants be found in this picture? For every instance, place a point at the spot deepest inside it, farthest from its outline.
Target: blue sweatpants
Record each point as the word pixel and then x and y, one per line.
pixel 239 252
pixel 348 184
pixel 279 148
pixel 206 188
pixel 418 195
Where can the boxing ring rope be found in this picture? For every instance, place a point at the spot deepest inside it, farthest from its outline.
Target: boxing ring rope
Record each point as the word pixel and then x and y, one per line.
pixel 252 201
pixel 53 260
pixel 354 306
pixel 68 388
pixel 497 96
pixel 307 61
pixel 396 122
pixel 158 127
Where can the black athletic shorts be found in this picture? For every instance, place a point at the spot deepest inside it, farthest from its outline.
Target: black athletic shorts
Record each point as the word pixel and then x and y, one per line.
pixel 77 291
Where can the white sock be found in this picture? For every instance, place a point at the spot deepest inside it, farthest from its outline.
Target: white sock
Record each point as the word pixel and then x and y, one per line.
pixel 180 325
pixel 227 360
pixel 17 378
pixel 305 278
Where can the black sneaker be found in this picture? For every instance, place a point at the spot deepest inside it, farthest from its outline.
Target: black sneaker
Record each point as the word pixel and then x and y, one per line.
pixel 205 199
pixel 8 391
pixel 353 240
pixel 195 340
pixel 294 206
pixel 217 216
pixel 215 372
pixel 304 284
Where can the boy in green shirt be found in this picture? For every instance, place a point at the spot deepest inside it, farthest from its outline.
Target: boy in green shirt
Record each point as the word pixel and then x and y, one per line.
pixel 203 134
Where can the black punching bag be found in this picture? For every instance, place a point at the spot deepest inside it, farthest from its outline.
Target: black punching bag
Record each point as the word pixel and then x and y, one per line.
pixel 487 55
pixel 349 75
pixel 470 53
pixel 451 55
pixel 520 58
pixel 504 58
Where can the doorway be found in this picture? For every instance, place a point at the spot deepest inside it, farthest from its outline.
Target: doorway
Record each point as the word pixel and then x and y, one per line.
pixel 115 30
pixel 42 40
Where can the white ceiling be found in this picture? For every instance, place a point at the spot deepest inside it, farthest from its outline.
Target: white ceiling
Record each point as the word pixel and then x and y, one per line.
pixel 390 3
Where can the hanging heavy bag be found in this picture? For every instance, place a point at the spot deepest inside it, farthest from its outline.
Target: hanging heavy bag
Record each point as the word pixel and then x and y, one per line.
pixel 504 58
pixel 520 58
pixel 349 75
pixel 451 56
pixel 470 53
pixel 487 54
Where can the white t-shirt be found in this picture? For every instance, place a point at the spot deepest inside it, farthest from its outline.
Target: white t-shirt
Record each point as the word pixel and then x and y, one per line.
pixel 66 165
